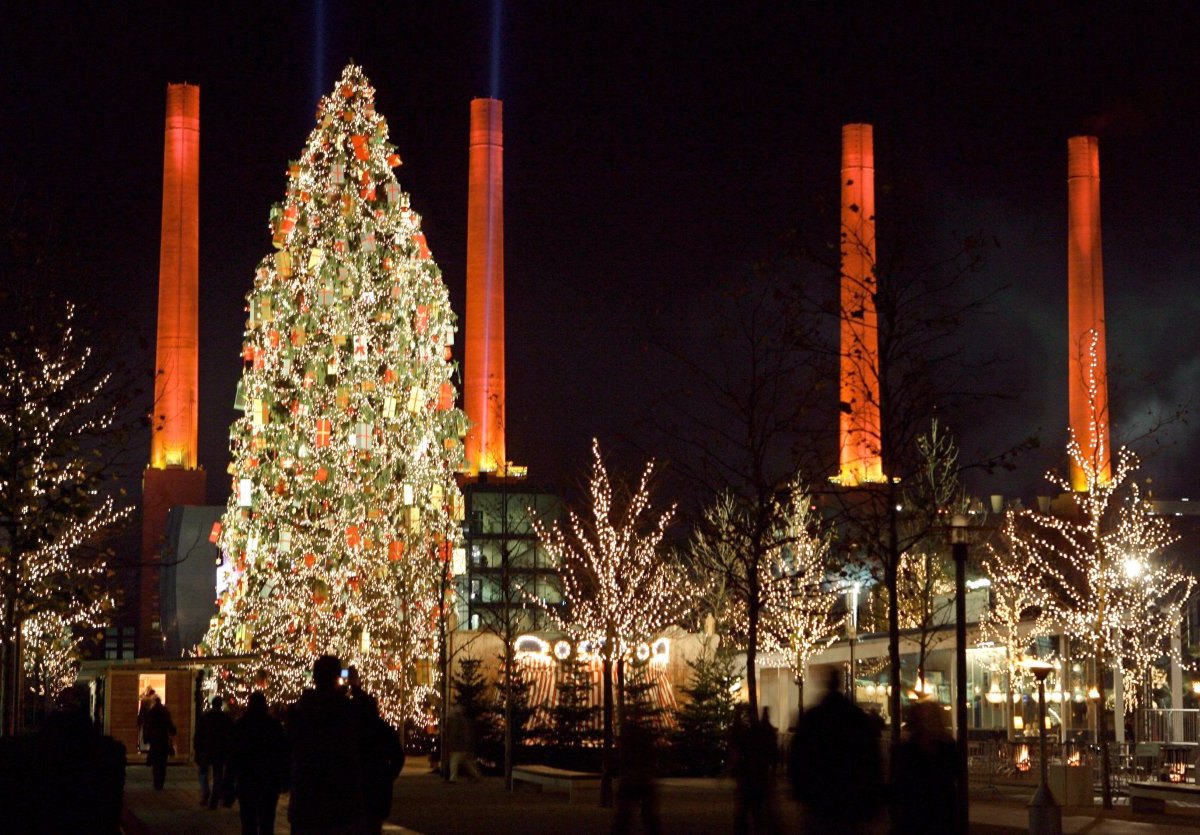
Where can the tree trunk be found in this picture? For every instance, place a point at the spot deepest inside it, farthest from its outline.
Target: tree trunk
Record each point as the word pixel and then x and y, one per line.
pixel 1008 703
pixel 620 692
pixel 752 604
pixel 508 735
pixel 6 689
pixel 1102 731
pixel 10 710
pixel 799 696
pixel 889 573
pixel 606 688
pixel 444 666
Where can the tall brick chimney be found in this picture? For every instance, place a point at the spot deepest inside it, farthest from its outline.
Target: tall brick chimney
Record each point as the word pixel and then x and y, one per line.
pixel 860 459
pixel 484 366
pixel 174 476
pixel 1088 374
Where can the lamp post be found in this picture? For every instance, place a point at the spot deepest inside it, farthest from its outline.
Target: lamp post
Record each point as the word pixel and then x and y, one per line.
pixel 852 626
pixel 1045 815
pixel 958 544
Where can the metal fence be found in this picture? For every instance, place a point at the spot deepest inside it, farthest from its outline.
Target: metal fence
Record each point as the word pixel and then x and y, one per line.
pixel 1168 725
pixel 998 763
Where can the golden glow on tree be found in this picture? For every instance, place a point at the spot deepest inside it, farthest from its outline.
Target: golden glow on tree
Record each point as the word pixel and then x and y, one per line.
pixel 1018 584
pixel 617 584
pixel 1086 556
pixel 50 649
pixel 1120 617
pixel 798 617
pixel 59 418
pixel 343 504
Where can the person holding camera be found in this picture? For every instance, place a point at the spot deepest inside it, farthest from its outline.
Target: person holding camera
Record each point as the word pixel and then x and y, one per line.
pixel 326 767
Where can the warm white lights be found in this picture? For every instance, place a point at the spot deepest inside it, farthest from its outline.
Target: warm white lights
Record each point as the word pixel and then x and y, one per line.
pixel 351 440
pixel 615 581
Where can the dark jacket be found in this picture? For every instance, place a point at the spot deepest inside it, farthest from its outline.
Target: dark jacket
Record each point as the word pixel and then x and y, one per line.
pixel 834 763
pixel 157 729
pixel 326 768
pixel 258 756
pixel 382 758
pixel 212 738
pixel 923 787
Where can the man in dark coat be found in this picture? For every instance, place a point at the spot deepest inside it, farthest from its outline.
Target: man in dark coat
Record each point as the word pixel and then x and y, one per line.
pixel 638 789
pixel 258 764
pixel 382 756
pixel 157 730
pixel 326 769
pixel 835 765
pixel 756 752
pixel 212 751
pixel 924 774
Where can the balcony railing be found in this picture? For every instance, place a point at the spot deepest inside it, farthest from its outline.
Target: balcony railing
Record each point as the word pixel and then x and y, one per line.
pixel 994 763
pixel 1168 725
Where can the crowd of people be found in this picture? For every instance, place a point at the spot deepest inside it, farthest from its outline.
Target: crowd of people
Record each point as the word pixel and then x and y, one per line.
pixel 332 751
pixel 836 769
pixel 834 765
pixel 338 759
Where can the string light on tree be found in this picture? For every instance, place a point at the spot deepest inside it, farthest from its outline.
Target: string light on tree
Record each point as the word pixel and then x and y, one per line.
pixel 614 578
pixel 1017 579
pixel 1100 564
pixel 799 601
pixel 51 651
pixel 343 504
pixel 618 588
pixel 62 423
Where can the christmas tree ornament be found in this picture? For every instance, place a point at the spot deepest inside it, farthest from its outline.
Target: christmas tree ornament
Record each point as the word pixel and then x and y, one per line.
pixel 348 442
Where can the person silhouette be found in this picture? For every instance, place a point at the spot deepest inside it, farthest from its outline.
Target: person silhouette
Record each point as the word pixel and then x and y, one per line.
pixel 326 769
pixel 834 764
pixel 754 750
pixel 258 759
pixel 211 746
pixel 382 756
pixel 924 773
pixel 157 730
pixel 638 788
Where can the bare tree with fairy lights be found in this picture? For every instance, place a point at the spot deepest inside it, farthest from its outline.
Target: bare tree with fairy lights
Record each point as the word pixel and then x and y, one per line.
pixel 618 587
pixel 1102 565
pixel 64 412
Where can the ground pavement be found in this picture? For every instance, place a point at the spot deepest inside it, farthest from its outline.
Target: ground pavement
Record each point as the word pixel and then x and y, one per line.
pixel 425 804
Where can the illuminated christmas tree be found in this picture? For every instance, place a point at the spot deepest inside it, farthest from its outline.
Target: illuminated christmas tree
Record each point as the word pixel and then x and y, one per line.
pixel 343 498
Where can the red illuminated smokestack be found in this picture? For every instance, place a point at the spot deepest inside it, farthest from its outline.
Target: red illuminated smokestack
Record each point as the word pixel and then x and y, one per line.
pixel 1088 374
pixel 860 459
pixel 484 384
pixel 177 357
pixel 174 476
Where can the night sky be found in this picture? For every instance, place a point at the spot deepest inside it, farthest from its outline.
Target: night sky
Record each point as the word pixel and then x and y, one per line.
pixel 654 152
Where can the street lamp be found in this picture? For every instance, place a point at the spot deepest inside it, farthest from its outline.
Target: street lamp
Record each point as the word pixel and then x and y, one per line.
pixel 852 627
pixel 1045 816
pixel 958 545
